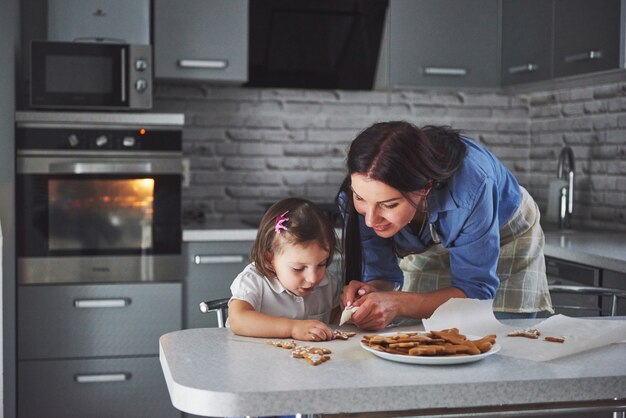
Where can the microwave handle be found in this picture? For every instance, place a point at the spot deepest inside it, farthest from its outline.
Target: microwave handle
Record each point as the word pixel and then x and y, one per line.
pixel 101 168
pixel 123 73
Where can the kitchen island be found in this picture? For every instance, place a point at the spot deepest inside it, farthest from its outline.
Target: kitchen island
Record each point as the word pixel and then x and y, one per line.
pixel 212 372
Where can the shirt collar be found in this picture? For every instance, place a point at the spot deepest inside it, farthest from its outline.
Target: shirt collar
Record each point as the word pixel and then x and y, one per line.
pixel 278 287
pixel 440 200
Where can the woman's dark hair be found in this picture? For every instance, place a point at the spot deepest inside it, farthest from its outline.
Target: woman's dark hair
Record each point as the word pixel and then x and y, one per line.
pixel 305 223
pixel 402 156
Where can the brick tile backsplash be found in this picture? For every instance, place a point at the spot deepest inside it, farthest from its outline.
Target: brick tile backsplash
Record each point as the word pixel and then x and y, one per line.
pixel 250 146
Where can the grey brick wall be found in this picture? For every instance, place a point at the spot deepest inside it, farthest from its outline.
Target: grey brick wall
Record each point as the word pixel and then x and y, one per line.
pixel 252 146
pixel 592 121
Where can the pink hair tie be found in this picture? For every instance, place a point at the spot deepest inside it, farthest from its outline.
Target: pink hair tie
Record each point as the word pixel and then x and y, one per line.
pixel 280 220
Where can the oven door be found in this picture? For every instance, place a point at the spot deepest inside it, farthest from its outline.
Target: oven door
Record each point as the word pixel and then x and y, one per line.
pixel 98 221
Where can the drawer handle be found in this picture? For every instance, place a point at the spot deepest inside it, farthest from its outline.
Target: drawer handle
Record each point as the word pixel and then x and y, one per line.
pixel 101 303
pixel 101 378
pixel 584 56
pixel 217 259
pixel 210 64
pixel 531 67
pixel 445 71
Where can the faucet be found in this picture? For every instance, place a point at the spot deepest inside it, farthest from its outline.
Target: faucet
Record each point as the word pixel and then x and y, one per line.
pixel 566 198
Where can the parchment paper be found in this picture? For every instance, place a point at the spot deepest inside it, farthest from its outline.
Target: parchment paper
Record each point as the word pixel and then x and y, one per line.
pixel 475 317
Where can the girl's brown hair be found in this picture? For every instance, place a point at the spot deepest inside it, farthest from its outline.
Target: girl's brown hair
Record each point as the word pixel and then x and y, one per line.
pixel 306 223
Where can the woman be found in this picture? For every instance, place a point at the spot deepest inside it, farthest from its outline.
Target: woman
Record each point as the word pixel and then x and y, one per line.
pixel 455 215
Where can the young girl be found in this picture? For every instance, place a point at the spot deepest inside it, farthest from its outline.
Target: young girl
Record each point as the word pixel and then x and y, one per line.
pixel 285 292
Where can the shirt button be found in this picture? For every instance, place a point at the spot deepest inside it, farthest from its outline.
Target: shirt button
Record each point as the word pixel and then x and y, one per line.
pixel 298 299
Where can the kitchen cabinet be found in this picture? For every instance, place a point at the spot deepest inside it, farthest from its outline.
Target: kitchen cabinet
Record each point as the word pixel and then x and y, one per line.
pixel 92 350
pixel 615 280
pixel 566 273
pixel 562 272
pixel 204 40
pixel 586 36
pixel 211 268
pixel 544 39
pixel 526 40
pixel 451 43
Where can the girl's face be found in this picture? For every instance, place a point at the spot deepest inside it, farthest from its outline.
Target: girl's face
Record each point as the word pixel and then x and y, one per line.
pixel 300 267
pixel 385 209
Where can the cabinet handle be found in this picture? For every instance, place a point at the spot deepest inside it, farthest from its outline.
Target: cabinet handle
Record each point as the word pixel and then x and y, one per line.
pixel 445 71
pixel 584 56
pixel 211 64
pixel 217 259
pixel 101 303
pixel 531 67
pixel 101 378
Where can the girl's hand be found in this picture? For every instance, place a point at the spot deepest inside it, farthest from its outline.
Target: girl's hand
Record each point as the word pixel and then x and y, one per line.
pixel 376 310
pixel 311 330
pixel 353 291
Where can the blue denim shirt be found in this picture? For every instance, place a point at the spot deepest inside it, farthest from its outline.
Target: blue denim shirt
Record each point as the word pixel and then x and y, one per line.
pixel 467 214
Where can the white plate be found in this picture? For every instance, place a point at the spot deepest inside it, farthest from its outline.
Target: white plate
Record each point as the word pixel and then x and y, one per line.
pixel 431 360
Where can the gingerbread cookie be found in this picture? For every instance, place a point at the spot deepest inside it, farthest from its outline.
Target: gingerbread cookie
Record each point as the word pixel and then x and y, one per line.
pixel 343 335
pixel 526 333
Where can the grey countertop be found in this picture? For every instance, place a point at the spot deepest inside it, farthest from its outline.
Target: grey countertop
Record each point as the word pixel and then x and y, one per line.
pixel 602 249
pixel 212 372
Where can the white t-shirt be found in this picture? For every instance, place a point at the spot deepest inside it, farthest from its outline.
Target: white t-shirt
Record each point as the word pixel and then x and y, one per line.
pixel 270 297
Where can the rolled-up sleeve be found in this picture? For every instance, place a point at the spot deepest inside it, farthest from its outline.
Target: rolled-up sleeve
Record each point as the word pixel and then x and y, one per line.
pixel 475 252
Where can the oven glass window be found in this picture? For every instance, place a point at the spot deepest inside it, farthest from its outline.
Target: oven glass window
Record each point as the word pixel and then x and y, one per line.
pixel 106 214
pixel 79 74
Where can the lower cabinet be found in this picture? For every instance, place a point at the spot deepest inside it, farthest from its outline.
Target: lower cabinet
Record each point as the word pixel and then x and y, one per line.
pixel 93 350
pixel 211 268
pixel 615 280
pixel 94 388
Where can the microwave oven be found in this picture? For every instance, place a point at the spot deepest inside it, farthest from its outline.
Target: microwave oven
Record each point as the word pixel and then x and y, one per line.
pixel 90 76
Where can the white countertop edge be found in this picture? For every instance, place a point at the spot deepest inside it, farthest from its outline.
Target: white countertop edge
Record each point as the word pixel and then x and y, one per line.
pixel 219 235
pixel 375 399
pixel 187 399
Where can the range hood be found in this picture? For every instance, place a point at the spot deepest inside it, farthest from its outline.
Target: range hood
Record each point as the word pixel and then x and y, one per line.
pixel 318 44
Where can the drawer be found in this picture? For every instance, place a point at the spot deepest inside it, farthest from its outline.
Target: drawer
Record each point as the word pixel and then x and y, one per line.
pixel 95 388
pixel 72 321
pixel 212 267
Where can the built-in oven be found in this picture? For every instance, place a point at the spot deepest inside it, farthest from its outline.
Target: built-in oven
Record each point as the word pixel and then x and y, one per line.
pixel 98 197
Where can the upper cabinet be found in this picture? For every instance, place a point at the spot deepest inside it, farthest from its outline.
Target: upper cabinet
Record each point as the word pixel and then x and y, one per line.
pixel 449 43
pixel 526 40
pixel 544 39
pixel 586 36
pixel 205 40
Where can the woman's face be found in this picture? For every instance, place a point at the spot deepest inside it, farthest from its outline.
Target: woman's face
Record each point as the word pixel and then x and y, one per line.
pixel 385 209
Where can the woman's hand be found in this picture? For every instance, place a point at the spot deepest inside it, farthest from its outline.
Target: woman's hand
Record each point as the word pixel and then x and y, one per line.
pixel 311 330
pixel 376 310
pixel 353 291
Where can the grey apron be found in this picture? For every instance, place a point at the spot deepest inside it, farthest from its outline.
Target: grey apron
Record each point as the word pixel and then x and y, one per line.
pixel 521 266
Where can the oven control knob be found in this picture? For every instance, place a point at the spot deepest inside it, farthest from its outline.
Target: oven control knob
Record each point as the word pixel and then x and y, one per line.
pixel 141 85
pixel 101 141
pixel 141 64
pixel 128 141
pixel 72 140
